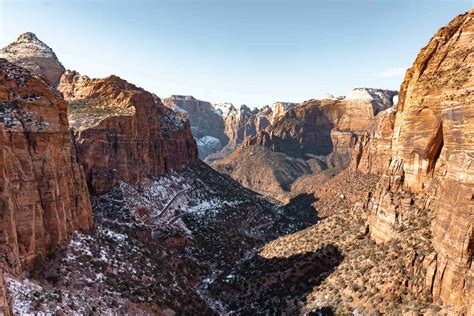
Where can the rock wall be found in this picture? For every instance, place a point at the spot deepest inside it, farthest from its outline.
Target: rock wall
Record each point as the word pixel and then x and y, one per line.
pixel 320 127
pixel 242 123
pixel 432 156
pixel 205 122
pixel 279 109
pixel 372 152
pixel 124 132
pixel 307 144
pixel 43 193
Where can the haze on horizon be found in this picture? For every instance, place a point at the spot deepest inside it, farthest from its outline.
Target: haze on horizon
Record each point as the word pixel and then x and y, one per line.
pixel 244 52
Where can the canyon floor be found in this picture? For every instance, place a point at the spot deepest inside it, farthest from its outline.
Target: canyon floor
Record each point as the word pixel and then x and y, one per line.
pixel 178 244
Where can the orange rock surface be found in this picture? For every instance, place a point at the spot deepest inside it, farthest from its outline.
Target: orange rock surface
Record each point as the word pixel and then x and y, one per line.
pixel 124 132
pixel 432 156
pixel 43 192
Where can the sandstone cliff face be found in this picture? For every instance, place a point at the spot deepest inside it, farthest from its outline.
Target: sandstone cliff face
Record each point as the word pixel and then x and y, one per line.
pixel 220 128
pixel 124 132
pixel 321 127
pixel 31 53
pixel 207 125
pixel 372 151
pixel 241 123
pixel 279 109
pixel 5 308
pixel 307 144
pixel 43 193
pixel 432 153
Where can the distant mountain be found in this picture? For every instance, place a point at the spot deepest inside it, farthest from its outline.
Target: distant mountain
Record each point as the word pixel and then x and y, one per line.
pixel 314 137
pixel 220 128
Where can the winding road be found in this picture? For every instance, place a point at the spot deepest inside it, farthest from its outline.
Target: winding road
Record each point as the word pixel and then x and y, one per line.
pixel 165 209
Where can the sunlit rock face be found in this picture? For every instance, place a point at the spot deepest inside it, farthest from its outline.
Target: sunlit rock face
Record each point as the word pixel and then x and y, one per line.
pixel 124 132
pixel 431 155
pixel 43 192
pixel 31 53
pixel 304 140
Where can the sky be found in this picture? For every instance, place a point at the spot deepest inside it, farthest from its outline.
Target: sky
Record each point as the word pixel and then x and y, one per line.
pixel 253 52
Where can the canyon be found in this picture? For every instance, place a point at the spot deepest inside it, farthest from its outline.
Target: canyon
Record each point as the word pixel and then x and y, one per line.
pixel 114 201
pixel 308 144
pixel 220 128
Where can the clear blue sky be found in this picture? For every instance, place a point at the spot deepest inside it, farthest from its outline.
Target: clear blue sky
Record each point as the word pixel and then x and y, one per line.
pixel 253 52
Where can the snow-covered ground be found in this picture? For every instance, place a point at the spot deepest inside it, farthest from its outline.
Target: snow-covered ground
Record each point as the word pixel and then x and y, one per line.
pixel 151 246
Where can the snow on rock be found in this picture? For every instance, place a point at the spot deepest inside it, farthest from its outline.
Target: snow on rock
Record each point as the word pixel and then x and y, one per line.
pixel 20 291
pixel 395 100
pixel 31 53
pixel 224 109
pixel 380 98
pixel 208 145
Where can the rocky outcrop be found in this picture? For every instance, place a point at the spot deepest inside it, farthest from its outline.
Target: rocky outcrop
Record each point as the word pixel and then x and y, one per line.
pixel 240 124
pixel 31 53
pixel 312 137
pixel 124 132
pixel 321 127
pixel 207 125
pixel 372 151
pixel 5 308
pixel 43 192
pixel 431 160
pixel 279 109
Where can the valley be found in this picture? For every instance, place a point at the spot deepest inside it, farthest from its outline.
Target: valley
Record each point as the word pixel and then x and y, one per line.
pixel 115 201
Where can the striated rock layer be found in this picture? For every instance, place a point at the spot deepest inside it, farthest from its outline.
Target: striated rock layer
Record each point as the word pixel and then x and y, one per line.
pixel 124 132
pixel 431 154
pixel 307 144
pixel 207 125
pixel 31 53
pixel 43 192
pixel 242 123
pixel 320 127
pixel 238 125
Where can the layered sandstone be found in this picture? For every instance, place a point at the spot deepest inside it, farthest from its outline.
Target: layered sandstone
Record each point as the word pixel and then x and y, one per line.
pixel 306 140
pixel 31 53
pixel 243 122
pixel 43 192
pixel 431 156
pixel 372 151
pixel 279 109
pixel 124 132
pixel 240 124
pixel 207 125
pixel 321 127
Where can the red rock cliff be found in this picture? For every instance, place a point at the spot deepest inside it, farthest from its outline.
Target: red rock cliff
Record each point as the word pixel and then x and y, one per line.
pixel 124 132
pixel 432 156
pixel 43 193
pixel 320 127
